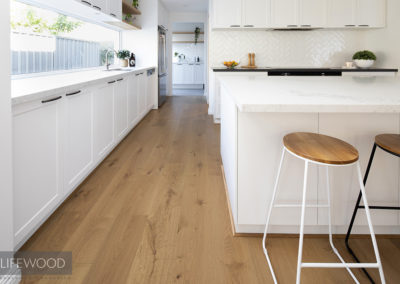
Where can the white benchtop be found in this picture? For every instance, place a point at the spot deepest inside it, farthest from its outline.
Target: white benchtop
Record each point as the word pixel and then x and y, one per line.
pixel 34 88
pixel 314 94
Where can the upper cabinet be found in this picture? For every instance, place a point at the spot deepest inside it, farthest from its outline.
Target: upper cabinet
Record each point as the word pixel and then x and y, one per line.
pixel 313 13
pixel 114 8
pixel 293 14
pixel 255 13
pixel 100 5
pixel 284 13
pixel 371 13
pixel 357 13
pixel 341 13
pixel 227 13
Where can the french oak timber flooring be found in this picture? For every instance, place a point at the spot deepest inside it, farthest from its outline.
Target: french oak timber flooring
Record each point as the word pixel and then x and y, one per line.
pixel 155 212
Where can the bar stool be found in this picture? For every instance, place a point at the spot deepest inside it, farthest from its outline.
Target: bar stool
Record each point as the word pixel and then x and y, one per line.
pixel 389 143
pixel 330 152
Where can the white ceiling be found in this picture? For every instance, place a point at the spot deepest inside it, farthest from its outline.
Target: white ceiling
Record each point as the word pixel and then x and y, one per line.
pixel 186 5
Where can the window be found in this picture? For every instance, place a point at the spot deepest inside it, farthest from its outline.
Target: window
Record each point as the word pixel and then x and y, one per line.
pixel 46 41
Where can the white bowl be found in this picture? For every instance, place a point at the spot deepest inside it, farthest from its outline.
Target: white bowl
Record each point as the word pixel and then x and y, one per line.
pixel 364 63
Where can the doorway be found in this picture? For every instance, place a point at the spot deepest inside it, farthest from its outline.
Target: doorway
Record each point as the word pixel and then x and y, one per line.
pixel 189 59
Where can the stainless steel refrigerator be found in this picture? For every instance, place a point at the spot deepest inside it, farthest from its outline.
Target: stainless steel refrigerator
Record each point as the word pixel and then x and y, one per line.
pixel 162 65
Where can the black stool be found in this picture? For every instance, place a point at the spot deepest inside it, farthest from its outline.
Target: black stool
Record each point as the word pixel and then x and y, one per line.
pixel 389 143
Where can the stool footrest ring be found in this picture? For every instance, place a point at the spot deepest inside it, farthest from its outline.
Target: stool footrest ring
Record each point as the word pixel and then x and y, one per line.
pixel 299 206
pixel 339 265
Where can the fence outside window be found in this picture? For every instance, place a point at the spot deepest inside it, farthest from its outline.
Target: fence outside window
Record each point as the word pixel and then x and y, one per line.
pixel 53 53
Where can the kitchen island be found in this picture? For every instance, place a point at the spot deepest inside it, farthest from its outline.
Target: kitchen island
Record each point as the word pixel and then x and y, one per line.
pixel 257 111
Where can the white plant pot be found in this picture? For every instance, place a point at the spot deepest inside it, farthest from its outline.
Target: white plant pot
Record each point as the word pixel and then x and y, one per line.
pixel 364 63
pixel 123 62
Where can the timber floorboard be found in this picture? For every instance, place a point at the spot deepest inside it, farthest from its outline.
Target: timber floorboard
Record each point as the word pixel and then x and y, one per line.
pixel 155 212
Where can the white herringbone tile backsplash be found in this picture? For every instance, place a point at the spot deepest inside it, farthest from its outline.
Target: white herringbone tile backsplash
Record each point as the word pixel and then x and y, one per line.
pixel 317 48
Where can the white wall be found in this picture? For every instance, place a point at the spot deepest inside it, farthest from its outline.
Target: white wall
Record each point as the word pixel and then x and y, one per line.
pixel 189 17
pixel 144 43
pixel 386 42
pixel 6 198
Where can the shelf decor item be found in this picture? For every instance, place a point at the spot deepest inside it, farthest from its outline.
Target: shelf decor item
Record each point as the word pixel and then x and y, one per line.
pixel 196 35
pixel 231 64
pixel 364 59
pixel 123 56
pixel 135 3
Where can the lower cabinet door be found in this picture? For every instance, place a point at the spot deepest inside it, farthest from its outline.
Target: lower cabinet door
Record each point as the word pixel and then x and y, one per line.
pixel 121 109
pixel 133 113
pixel 37 162
pixel 103 121
pixel 150 91
pixel 78 158
pixel 141 80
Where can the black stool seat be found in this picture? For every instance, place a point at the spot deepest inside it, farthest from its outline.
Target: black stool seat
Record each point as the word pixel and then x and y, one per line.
pixel 389 143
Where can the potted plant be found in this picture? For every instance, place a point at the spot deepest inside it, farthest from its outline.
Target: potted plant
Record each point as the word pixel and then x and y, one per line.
pixel 123 56
pixel 364 59
pixel 196 35
pixel 135 3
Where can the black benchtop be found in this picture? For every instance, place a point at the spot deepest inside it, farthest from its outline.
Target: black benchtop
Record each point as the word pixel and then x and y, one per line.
pixel 295 69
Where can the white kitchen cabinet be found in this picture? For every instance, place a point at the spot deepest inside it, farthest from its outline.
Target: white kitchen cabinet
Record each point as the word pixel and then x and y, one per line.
pixel 151 82
pixel 141 80
pixel 103 120
pixel 177 73
pixel 100 5
pixel 78 138
pixel 313 13
pixel 371 13
pixel 227 13
pixel 198 74
pixel 114 8
pixel 255 13
pixel 284 13
pixel 120 108
pixel 341 13
pixel 37 163
pixel 133 110
pixel 188 73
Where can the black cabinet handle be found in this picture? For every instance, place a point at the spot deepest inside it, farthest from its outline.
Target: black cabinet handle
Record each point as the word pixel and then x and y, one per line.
pixel 235 26
pixel 97 7
pixel 137 74
pixel 51 100
pixel 74 93
pixel 363 25
pixel 291 26
pixel 306 26
pixel 249 26
pixel 119 80
pixel 86 2
pixel 111 82
pixel 349 25
pixel 113 15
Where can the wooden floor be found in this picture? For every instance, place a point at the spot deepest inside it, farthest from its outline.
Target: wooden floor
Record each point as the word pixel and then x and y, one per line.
pixel 155 212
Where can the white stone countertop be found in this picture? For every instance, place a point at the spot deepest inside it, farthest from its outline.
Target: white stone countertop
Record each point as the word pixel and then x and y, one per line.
pixel 314 94
pixel 39 87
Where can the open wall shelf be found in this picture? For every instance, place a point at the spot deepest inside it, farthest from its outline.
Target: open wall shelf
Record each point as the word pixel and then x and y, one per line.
pixel 127 8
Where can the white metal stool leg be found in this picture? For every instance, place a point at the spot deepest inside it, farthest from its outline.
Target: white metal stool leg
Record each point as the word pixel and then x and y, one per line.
pixel 328 192
pixel 371 229
pixel 303 212
pixel 269 216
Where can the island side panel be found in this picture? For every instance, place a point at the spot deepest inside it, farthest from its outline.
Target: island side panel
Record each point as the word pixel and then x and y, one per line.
pixel 259 150
pixel 229 148
pixel 383 181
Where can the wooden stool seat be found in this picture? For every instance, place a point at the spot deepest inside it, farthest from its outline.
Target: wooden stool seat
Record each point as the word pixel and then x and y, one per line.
pixel 389 142
pixel 321 148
